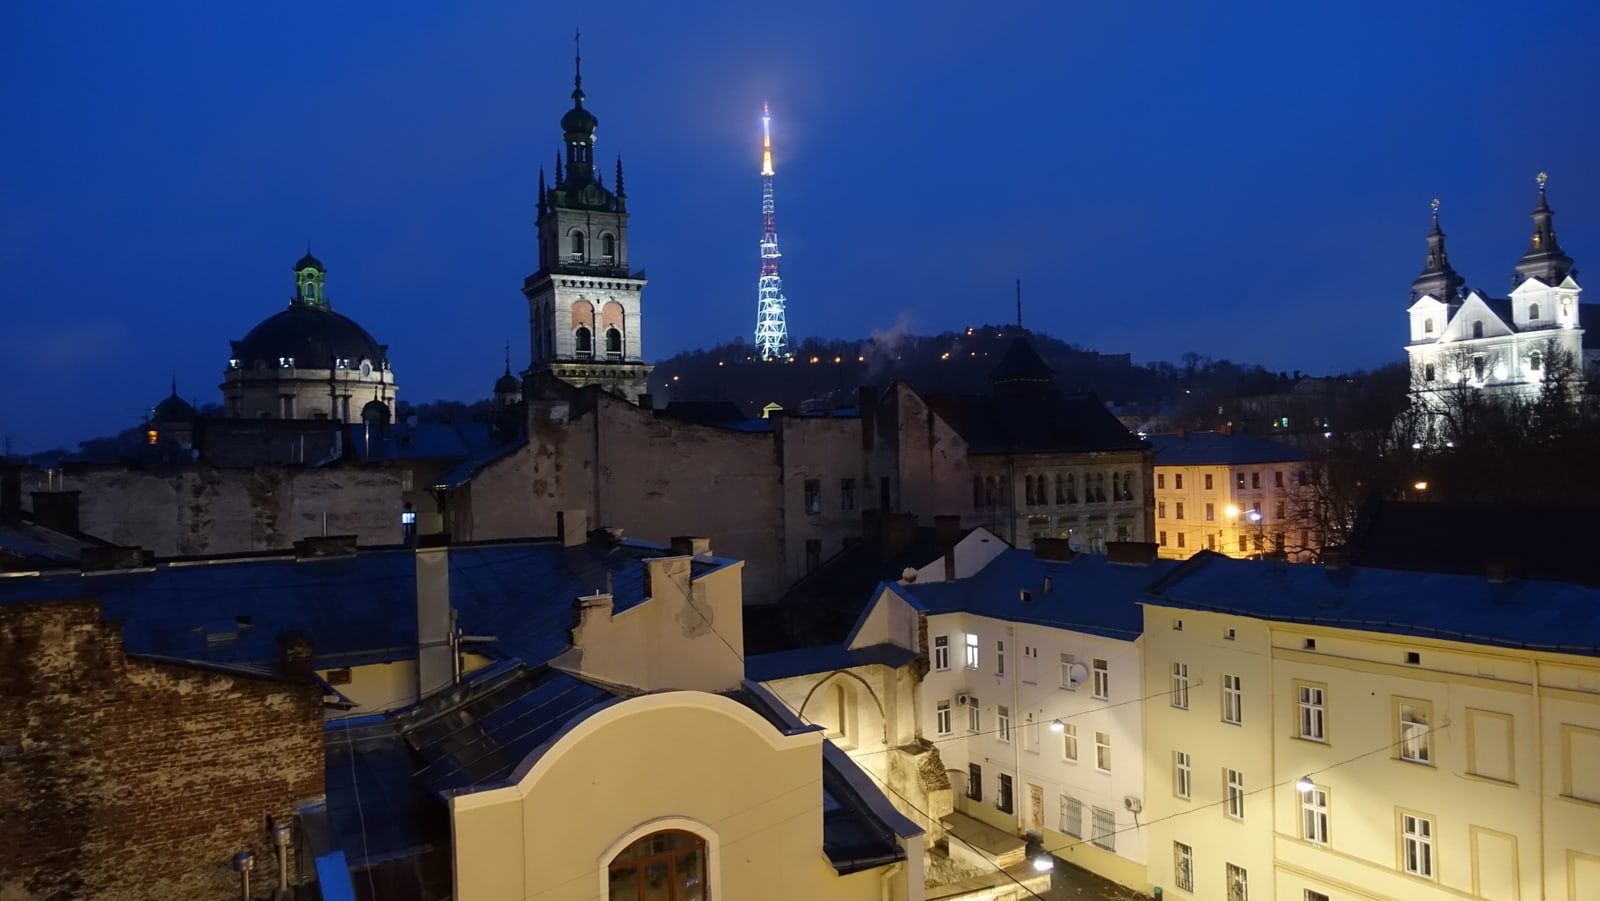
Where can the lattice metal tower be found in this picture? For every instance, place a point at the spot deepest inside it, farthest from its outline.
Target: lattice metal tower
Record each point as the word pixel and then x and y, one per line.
pixel 772 332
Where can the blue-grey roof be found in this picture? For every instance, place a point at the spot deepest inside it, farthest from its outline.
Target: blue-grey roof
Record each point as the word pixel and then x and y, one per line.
pixel 1514 614
pixel 1086 594
pixel 1219 449
pixel 822 659
pixel 354 609
pixel 423 441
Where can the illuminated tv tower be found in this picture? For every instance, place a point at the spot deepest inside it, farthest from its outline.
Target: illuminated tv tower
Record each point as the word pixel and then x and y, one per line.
pixel 772 333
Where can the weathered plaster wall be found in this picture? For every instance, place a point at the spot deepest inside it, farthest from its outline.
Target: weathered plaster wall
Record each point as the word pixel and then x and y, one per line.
pixel 205 510
pixel 122 777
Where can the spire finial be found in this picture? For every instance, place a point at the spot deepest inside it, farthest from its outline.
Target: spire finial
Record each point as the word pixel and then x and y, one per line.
pixel 1541 178
pixel 577 66
pixel 508 358
pixel 620 192
pixel 1019 303
pixel 175 375
pixel 560 178
pixel 1436 206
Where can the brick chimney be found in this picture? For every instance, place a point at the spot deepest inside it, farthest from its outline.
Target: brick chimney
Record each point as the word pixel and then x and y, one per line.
pixel 1052 549
pixel 690 546
pixel 1135 552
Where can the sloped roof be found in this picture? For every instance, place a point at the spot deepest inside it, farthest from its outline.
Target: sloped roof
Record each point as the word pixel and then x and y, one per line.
pixel 1551 616
pixel 1038 424
pixel 1220 449
pixel 1429 537
pixel 822 659
pixel 1021 363
pixel 1086 594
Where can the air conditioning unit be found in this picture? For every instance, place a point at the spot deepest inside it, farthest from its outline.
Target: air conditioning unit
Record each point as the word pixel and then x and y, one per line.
pixel 1133 804
pixel 962 699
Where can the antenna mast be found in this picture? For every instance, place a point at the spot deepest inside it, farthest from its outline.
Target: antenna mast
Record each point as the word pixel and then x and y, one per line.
pixel 772 331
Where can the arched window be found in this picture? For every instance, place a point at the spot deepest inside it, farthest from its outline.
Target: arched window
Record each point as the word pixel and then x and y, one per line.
pixel 1535 361
pixel 1100 487
pixel 988 492
pixel 577 244
pixel 1028 496
pixel 585 342
pixel 613 344
pixel 608 246
pixel 669 865
pixel 1427 326
pixel 1533 311
pixel 1116 485
pixel 1072 488
pixel 1127 485
pixel 1427 372
pixel 1477 328
pixel 1061 488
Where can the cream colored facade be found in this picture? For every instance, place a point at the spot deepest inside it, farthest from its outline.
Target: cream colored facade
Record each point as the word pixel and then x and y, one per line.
pixel 1441 769
pixel 1216 508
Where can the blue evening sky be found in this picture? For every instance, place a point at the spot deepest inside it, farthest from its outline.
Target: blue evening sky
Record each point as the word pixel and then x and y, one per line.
pixel 1243 180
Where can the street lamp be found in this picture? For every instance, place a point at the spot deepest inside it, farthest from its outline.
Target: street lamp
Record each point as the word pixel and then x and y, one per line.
pixel 1057 726
pixel 1304 785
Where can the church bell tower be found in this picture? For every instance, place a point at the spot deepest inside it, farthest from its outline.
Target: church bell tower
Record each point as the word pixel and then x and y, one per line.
pixel 584 301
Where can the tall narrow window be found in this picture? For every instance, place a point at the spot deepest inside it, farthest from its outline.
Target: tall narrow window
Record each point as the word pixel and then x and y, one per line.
pixel 1183 866
pixel 1233 793
pixel 1413 739
pixel 1002 801
pixel 974 715
pixel 1061 489
pixel 1068 662
pixel 577 244
pixel 583 341
pixel 1000 658
pixel 1416 845
pixel 1028 492
pixel 1072 488
pixel 941 652
pixel 972 651
pixel 608 246
pixel 1180 686
pixel 847 494
pixel 1313 724
pixel 1071 816
pixel 1069 743
pixel 1314 815
pixel 1535 361
pixel 1427 326
pixel 613 344
pixel 1127 485
pixel 941 717
pixel 1030 664
pixel 1102 679
pixel 813 553
pixel 1002 716
pixel 1232 699
pixel 1238 883
pixel 1102 751
pixel 1105 828
pixel 1477 328
pixel 974 782
pixel 813 500
pixel 1182 775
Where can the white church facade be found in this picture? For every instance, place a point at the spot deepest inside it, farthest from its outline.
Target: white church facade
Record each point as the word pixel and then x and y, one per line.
pixel 1460 337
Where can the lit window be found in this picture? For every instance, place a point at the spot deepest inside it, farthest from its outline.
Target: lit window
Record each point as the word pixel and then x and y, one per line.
pixel 286 362
pixel 972 651
pixel 1416 845
pixel 1232 699
pixel 941 718
pixel 1314 815
pixel 1413 740
pixel 1180 686
pixel 1002 715
pixel 1233 793
pixel 1211 511
pixel 1068 661
pixel 669 865
pixel 1182 775
pixel 1000 658
pixel 1069 743
pixel 1102 751
pixel 1313 724
pixel 1208 481
pixel 941 652
pixel 1102 679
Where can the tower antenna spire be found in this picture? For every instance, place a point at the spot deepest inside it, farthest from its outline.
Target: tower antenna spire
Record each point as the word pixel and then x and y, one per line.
pixel 772 329
pixel 1019 303
pixel 577 59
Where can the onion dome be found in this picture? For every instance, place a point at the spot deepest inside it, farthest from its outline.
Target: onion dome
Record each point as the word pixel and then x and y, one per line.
pixel 309 262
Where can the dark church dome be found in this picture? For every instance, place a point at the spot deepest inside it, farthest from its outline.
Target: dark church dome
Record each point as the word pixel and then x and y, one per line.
pixel 314 336
pixel 173 409
pixel 507 384
pixel 310 262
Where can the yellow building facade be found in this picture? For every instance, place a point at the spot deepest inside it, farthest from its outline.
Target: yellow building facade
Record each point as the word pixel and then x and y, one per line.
pixel 1305 749
pixel 1234 494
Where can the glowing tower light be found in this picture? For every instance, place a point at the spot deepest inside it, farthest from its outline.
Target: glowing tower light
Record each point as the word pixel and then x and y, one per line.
pixel 772 331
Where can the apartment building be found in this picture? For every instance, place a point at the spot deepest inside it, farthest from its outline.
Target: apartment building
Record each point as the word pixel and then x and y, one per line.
pixel 1235 494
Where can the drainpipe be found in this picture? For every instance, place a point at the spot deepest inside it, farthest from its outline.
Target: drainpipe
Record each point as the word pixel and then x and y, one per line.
pixel 1018 786
pixel 280 844
pixel 242 864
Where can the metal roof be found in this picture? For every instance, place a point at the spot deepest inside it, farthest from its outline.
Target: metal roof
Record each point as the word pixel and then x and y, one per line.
pixel 1221 449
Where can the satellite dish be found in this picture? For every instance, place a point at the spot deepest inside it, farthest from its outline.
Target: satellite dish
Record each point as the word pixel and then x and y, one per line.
pixel 1075 543
pixel 1078 673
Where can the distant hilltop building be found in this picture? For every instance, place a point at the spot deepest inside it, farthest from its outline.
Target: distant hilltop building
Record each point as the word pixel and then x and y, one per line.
pixel 1462 337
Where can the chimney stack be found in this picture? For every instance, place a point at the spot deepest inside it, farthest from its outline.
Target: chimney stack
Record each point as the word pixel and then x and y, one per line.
pixel 690 546
pixel 572 526
pixel 1056 549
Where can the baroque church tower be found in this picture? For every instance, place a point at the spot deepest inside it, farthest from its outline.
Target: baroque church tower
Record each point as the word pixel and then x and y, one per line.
pixel 584 301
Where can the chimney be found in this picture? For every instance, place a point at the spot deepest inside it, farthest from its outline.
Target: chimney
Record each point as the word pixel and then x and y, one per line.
pixel 871 524
pixel 572 526
pixel 691 546
pixel 435 626
pixel 56 510
pixel 1226 428
pixel 867 402
pixel 10 496
pixel 1136 552
pixel 325 546
pixel 1052 549
pixel 947 529
pixel 899 530
pixel 101 559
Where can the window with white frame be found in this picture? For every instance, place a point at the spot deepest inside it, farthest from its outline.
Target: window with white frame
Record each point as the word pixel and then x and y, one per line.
pixel 1030 664
pixel 1182 775
pixel 1068 661
pixel 1105 829
pixel 1180 686
pixel 1183 866
pixel 1002 715
pixel 1416 845
pixel 1238 883
pixel 1000 658
pixel 1002 797
pixel 1233 793
pixel 1314 815
pixel 1071 816
pixel 1102 679
pixel 1313 715
pixel 974 715
pixel 972 651
pixel 1102 751
pixel 1069 743
pixel 941 717
pixel 1232 699
pixel 1413 740
pixel 941 652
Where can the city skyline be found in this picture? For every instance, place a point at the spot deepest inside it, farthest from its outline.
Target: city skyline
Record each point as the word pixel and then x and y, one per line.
pixel 1259 177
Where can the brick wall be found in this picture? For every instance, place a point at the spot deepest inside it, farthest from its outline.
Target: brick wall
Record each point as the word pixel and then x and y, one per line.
pixel 133 778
